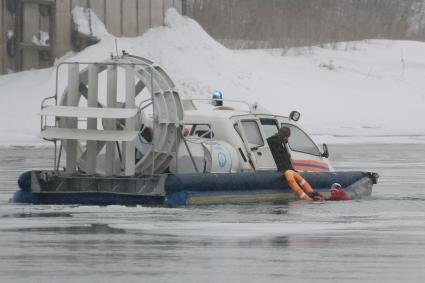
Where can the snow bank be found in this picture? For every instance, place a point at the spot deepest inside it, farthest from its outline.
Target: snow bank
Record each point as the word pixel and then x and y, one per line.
pixel 359 92
pixel 88 23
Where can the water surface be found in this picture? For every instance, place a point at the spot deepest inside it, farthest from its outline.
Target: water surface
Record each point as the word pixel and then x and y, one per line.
pixel 378 239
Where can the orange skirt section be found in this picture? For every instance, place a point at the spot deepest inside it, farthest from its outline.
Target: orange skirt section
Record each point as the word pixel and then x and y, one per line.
pixel 310 165
pixel 298 184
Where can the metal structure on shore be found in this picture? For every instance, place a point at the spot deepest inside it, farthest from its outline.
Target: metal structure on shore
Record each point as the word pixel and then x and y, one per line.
pixel 24 22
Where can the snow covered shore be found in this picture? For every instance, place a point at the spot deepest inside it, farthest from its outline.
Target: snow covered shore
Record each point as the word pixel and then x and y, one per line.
pixel 359 92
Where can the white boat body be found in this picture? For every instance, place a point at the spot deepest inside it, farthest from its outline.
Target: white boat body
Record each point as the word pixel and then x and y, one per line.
pixel 245 127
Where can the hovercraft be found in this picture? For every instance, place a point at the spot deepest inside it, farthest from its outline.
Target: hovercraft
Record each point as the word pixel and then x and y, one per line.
pixel 122 135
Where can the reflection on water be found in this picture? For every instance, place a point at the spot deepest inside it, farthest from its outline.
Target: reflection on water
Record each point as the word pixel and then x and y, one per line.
pixel 39 214
pixel 90 229
pixel 372 240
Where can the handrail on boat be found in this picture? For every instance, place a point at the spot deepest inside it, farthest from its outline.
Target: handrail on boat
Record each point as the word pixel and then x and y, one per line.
pixel 251 106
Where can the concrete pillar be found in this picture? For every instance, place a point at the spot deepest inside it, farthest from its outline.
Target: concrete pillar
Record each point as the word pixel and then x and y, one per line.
pixel 81 3
pixel 113 17
pixel 167 5
pixel 144 16
pixel 45 27
pixel 178 5
pixel 98 7
pixel 63 28
pixel 184 7
pixel 2 39
pixel 8 24
pixel 31 27
pixel 157 13
pixel 129 19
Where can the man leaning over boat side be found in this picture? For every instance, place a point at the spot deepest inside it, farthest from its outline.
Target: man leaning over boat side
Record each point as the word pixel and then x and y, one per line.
pixel 278 146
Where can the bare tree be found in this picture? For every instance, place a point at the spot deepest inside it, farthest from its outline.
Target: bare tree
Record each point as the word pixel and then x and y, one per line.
pixel 288 23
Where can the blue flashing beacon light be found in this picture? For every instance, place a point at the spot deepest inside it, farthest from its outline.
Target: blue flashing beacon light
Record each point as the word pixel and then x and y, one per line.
pixel 217 98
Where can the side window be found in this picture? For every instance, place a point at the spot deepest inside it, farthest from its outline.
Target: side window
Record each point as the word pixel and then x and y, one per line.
pixel 300 141
pixel 252 133
pixel 201 130
pixel 269 126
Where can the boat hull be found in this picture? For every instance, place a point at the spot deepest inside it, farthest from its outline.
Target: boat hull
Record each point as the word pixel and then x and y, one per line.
pixel 192 189
pixel 189 189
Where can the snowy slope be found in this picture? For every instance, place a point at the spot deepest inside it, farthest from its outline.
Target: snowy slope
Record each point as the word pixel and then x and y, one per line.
pixel 359 92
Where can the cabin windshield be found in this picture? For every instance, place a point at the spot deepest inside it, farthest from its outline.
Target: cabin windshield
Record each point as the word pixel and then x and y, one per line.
pixel 300 141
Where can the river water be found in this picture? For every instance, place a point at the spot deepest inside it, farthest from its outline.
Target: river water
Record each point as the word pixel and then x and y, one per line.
pixel 379 239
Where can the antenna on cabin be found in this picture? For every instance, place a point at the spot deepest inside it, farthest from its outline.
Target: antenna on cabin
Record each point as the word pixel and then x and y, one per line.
pixel 116 47
pixel 116 51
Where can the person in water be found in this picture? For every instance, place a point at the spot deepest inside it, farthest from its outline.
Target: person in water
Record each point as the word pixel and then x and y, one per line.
pixel 278 146
pixel 337 193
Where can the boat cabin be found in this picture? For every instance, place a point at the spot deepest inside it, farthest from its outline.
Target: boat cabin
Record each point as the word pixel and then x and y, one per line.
pixel 247 129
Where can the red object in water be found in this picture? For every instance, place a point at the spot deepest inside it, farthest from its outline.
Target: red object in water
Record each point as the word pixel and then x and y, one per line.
pixel 338 194
pixel 318 197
